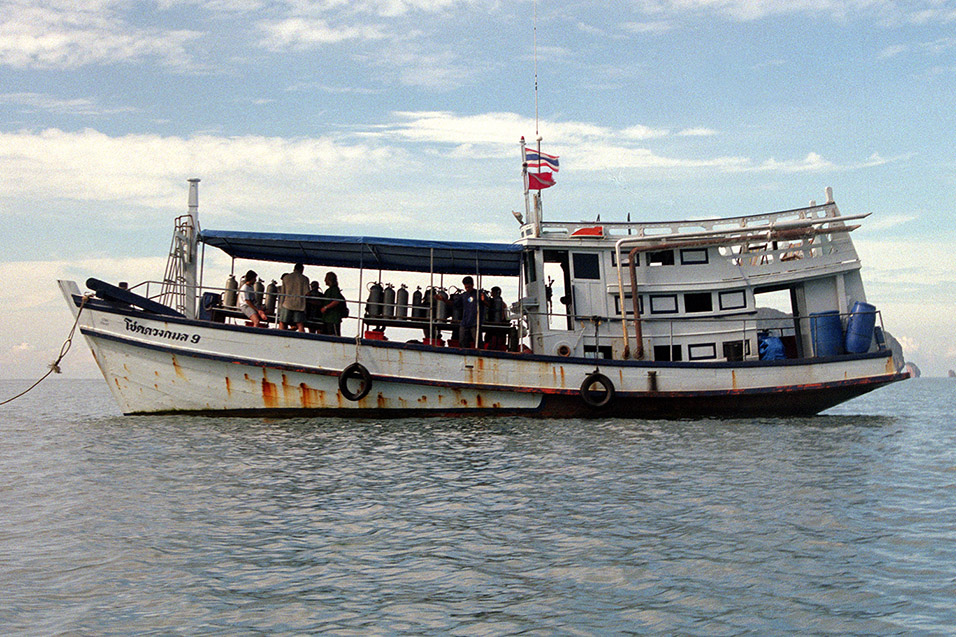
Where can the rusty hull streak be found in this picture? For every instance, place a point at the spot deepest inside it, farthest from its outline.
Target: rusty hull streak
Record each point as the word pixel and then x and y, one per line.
pixel 228 386
pixel 288 391
pixel 179 370
pixel 270 394
pixel 310 397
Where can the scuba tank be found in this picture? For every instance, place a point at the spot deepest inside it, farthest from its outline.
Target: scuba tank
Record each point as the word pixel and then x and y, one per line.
pixel 271 291
pixel 428 305
pixel 441 308
pixel 229 297
pixel 401 302
pixel 259 288
pixel 418 309
pixel 499 313
pixel 388 301
pixel 456 306
pixel 373 306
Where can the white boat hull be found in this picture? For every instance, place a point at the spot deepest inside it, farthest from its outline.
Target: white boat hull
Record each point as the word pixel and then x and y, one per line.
pixel 166 364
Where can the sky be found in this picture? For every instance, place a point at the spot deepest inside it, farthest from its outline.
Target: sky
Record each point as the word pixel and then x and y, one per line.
pixel 403 117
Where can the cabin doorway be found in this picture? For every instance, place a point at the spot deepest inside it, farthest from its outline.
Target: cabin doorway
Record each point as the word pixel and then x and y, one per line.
pixel 778 314
pixel 559 293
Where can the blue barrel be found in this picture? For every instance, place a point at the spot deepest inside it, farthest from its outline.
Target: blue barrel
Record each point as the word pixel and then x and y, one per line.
pixel 859 328
pixel 826 330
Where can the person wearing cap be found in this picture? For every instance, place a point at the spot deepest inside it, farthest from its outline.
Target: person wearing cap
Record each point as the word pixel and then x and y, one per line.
pixel 247 299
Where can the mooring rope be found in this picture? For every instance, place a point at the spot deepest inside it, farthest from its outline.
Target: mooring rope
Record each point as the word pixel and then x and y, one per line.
pixel 55 365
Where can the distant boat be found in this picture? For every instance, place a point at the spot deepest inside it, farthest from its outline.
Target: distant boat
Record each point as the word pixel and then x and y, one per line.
pixel 639 320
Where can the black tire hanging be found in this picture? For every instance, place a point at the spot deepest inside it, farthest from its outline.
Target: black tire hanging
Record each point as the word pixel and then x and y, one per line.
pixel 355 371
pixel 597 398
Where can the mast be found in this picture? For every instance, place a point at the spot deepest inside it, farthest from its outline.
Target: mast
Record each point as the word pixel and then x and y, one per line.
pixel 192 239
pixel 533 214
pixel 180 289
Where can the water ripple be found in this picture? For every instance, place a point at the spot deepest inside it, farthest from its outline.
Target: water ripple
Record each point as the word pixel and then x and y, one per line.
pixel 835 524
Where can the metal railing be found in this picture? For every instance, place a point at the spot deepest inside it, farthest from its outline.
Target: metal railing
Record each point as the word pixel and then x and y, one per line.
pixel 666 331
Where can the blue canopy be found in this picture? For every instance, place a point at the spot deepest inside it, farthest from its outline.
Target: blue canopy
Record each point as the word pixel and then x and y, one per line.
pixel 405 255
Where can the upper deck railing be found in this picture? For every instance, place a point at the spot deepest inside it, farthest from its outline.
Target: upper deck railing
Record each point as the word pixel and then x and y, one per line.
pixel 687 228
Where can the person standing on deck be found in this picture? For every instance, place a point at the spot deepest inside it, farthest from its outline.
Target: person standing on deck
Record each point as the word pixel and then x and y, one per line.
pixel 313 307
pixel 247 299
pixel 334 309
pixel 295 286
pixel 468 302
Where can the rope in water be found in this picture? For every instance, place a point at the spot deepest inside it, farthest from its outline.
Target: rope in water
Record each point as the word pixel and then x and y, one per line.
pixel 55 365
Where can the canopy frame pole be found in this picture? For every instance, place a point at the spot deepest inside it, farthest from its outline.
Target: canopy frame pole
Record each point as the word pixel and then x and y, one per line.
pixel 478 306
pixel 360 321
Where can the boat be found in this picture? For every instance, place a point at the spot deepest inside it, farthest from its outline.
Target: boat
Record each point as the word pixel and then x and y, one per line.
pixel 609 319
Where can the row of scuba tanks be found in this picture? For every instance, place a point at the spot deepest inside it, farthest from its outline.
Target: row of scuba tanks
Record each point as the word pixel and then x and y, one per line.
pixel 267 296
pixel 385 302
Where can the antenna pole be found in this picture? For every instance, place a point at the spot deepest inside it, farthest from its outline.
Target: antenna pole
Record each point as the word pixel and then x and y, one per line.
pixel 535 41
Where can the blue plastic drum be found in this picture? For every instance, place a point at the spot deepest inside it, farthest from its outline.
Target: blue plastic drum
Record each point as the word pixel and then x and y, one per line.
pixel 826 331
pixel 859 328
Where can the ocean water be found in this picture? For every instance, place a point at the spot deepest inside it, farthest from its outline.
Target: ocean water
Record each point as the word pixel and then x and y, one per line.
pixel 840 524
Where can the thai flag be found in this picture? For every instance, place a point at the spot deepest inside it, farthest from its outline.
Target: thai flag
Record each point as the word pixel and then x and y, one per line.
pixel 537 159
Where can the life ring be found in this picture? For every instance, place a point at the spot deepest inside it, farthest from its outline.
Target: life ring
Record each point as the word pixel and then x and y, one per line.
pixel 597 398
pixel 355 371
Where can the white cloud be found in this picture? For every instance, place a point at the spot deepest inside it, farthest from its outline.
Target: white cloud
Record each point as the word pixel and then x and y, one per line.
pixel 643 132
pixel 885 222
pixel 885 11
pixel 306 33
pixel 62 35
pixel 814 162
pixel 50 104
pixel 926 264
pixel 651 27
pixel 699 131
pixel 149 169
pixel 893 51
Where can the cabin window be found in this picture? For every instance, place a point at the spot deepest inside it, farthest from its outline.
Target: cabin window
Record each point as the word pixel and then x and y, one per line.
pixel 735 300
pixel 624 262
pixel 735 350
pixel 601 351
pixel 661 257
pixel 664 304
pixel 667 353
pixel 586 265
pixel 702 351
pixel 530 271
pixel 698 302
pixel 696 256
pixel 628 305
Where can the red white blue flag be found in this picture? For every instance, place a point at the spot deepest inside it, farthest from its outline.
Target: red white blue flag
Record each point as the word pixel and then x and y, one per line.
pixel 537 159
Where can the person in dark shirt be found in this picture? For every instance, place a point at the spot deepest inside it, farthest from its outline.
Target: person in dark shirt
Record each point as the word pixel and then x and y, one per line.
pixel 313 306
pixel 468 302
pixel 334 308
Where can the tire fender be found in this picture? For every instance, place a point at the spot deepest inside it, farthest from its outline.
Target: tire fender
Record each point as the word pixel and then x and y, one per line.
pixel 355 371
pixel 599 397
